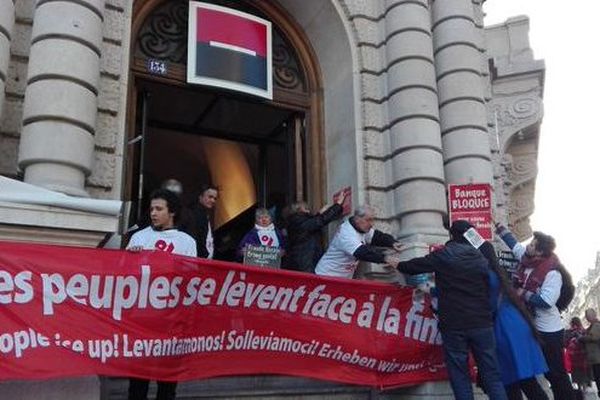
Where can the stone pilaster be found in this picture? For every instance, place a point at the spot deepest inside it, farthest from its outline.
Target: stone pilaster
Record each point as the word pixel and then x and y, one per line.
pixel 7 21
pixel 59 118
pixel 458 63
pixel 415 141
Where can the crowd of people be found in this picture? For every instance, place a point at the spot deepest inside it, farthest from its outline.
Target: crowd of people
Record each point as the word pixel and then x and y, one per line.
pixel 511 324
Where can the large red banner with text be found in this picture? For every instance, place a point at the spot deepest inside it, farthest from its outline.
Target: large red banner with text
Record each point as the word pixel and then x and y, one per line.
pixel 71 312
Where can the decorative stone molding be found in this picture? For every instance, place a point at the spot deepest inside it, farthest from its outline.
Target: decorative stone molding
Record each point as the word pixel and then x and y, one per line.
pixel 521 206
pixel 515 113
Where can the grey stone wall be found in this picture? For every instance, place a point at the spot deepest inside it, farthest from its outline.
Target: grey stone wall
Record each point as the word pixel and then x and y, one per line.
pixel 106 169
pixel 402 151
pixel 105 180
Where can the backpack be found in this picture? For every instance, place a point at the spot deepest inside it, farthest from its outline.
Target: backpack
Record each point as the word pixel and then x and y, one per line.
pixel 567 290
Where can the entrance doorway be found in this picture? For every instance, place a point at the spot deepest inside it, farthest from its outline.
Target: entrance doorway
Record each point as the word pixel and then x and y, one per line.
pixel 251 150
pixel 259 152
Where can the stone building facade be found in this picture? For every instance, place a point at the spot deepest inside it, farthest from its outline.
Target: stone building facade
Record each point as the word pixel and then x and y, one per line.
pixel 404 98
pixel 587 293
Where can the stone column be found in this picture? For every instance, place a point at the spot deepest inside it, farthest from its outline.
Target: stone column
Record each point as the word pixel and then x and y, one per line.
pixel 59 119
pixel 416 147
pixel 458 64
pixel 7 21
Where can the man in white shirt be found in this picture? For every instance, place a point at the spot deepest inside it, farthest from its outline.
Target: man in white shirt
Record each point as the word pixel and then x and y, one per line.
pixel 539 281
pixel 356 240
pixel 161 235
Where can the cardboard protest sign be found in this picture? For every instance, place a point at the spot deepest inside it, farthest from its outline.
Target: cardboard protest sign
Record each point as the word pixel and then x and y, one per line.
pixel 262 256
pixel 472 203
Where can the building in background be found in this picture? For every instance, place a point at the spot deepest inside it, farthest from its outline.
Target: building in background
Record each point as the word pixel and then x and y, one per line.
pixel 587 293
pixel 395 99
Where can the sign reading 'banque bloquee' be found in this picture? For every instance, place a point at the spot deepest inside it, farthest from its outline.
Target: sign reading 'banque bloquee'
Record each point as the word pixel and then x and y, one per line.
pixel 472 203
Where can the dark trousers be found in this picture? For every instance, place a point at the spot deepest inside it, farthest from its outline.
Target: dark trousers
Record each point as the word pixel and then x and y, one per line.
pixel 138 390
pixel 596 371
pixel 553 348
pixel 531 387
pixel 482 343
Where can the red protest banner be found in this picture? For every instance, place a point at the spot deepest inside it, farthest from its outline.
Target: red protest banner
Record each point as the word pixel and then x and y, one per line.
pixel 72 312
pixel 472 203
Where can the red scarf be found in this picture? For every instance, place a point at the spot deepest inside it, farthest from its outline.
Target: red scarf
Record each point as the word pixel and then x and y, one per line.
pixel 540 265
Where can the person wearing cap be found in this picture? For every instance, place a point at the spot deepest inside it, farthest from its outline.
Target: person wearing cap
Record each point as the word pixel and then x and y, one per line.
pixel 464 310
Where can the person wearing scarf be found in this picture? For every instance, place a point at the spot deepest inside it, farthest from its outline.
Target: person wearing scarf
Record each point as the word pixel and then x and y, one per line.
pixel 538 282
pixel 264 233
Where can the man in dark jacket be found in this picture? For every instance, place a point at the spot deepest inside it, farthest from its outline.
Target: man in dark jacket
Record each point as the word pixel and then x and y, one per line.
pixel 200 228
pixel 466 324
pixel 304 234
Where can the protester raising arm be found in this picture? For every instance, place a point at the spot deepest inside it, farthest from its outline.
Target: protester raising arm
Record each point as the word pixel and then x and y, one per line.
pixel 304 234
pixel 355 241
pixel 511 241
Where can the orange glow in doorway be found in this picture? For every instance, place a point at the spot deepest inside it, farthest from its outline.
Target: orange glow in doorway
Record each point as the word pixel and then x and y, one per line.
pixel 229 170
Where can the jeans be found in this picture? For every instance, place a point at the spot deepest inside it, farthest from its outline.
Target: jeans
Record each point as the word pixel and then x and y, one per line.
pixel 138 390
pixel 482 343
pixel 553 348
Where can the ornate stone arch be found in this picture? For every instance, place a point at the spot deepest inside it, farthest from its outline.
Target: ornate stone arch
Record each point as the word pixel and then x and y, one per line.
pixel 297 84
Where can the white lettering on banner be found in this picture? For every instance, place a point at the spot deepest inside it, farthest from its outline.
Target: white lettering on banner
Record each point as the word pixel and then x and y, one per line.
pixel 18 290
pixel 18 342
pixel 200 291
pixel 265 297
pixel 120 292
pixel 323 305
pixel 351 358
pixel 171 346
pixel 249 340
pixel 421 328
pixel 104 348
pixel 123 345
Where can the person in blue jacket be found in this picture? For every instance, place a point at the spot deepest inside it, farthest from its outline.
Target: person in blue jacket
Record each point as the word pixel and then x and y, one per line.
pixel 519 353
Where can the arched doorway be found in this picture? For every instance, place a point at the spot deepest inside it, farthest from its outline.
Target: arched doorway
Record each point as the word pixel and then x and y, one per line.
pixel 259 152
